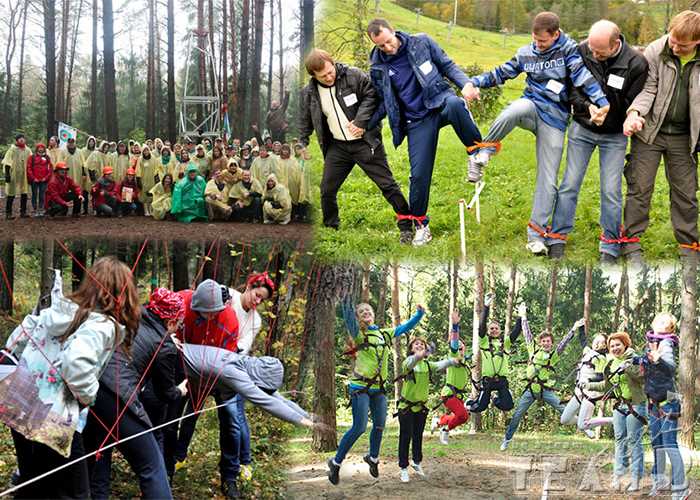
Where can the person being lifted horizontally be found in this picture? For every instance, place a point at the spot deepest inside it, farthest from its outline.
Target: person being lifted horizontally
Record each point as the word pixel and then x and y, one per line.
pixel 550 61
pixel 409 74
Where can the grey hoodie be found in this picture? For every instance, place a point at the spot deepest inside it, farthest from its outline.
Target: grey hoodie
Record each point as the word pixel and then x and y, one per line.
pixel 239 374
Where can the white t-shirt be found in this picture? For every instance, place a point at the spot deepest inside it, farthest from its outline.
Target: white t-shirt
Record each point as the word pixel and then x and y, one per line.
pixel 335 116
pixel 249 322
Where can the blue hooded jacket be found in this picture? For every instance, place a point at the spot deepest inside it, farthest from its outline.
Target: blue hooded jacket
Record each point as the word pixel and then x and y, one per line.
pixel 547 77
pixel 431 66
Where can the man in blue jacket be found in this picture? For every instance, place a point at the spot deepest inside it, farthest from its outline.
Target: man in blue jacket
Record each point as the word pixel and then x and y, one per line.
pixel 408 73
pixel 550 62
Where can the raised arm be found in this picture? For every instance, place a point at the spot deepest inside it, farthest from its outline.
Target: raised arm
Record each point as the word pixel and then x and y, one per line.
pixel 484 318
pixel 580 324
pixel 454 333
pixel 529 339
pixel 350 318
pixel 411 323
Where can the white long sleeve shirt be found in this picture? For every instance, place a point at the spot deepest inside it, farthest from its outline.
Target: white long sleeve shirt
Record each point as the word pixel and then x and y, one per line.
pixel 249 323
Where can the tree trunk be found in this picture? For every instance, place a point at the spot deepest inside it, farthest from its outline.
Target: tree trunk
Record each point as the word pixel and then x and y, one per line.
pixel 396 321
pixel 618 300
pixel 151 72
pixel 158 118
pixel 181 279
pixel 224 54
pixel 307 26
pixel 155 265
pixel 62 56
pixel 687 372
pixel 7 261
pixel 242 121
pixel 172 122
pixel 625 300
pixel 272 53
pixel 476 353
pixel 257 64
pixel 71 64
pixel 47 274
pixel 280 42
pixel 93 71
pixel 78 263
pixel 212 76
pixel 111 117
pixel 510 301
pixel 381 296
pixel 587 290
pixel 14 18
pixel 551 299
pixel 201 60
pixel 50 53
pixel 233 93
pixel 365 293
pixel 20 83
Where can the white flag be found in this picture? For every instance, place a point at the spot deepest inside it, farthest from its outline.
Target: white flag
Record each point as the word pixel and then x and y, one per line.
pixel 66 132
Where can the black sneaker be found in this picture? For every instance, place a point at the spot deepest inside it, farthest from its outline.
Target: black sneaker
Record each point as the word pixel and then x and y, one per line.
pixel 230 489
pixel 607 259
pixel 373 466
pixel 333 472
pixel 556 251
pixel 406 237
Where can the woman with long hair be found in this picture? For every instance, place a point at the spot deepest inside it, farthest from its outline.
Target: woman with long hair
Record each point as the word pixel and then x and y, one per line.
pixel 62 352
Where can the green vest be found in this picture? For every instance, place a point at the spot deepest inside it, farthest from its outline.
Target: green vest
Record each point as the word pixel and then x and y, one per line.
pixel 416 385
pixel 495 353
pixel 372 360
pixel 458 377
pixel 540 368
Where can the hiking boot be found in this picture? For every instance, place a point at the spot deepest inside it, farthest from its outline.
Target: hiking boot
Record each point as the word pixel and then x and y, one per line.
pixel 476 164
pixel 536 247
pixel 373 465
pixel 333 472
pixel 406 236
pixel 607 259
pixel 505 444
pixel 419 470
pixel 422 236
pixel 230 489
pixel 556 251
pixel 404 476
pixel 434 424
pixel 444 436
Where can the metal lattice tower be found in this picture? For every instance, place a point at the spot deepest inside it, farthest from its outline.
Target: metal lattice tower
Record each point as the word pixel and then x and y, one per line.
pixel 208 105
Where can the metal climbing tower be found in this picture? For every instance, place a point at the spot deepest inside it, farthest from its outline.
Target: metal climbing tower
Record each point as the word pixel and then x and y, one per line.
pixel 200 114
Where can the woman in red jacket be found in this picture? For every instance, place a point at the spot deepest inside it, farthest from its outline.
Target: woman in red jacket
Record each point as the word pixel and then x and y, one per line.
pixel 128 190
pixel 38 173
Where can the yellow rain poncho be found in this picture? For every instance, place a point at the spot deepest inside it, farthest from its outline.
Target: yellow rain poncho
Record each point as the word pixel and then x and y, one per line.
pixel 16 160
pixel 277 204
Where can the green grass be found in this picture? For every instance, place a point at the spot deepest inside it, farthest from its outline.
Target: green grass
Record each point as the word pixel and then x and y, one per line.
pixel 368 227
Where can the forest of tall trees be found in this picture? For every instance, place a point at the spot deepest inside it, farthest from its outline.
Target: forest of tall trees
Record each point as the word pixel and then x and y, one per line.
pixel 115 69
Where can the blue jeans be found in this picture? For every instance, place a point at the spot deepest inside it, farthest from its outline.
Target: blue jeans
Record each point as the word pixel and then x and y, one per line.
pixel 38 194
pixel 373 402
pixel 663 431
pixel 549 148
pixel 612 148
pixel 422 145
pixel 524 404
pixel 243 435
pixel 628 441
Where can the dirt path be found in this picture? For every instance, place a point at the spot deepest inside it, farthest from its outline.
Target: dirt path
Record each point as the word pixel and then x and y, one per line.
pixel 147 227
pixel 455 475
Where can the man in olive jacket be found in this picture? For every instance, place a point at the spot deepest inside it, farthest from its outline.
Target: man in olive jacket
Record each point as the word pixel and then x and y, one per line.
pixel 337 104
pixel 665 121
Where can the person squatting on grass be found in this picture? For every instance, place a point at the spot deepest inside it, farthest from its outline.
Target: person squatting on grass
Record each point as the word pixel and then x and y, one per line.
pixel 338 104
pixel 370 348
pixel 412 408
pixel 621 72
pixel 457 385
pixel 541 364
pixel 550 62
pixel 495 352
pixel 664 121
pixel 409 75
pixel 60 191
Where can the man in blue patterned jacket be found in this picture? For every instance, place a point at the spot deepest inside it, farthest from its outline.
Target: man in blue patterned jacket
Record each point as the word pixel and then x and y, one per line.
pixel 550 62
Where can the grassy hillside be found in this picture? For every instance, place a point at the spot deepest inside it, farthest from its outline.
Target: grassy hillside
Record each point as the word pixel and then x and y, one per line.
pixel 367 222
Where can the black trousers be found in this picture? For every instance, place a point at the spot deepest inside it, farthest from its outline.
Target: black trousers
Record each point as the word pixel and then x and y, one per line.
pixel 339 160
pixel 35 459
pixel 503 401
pixel 251 213
pixel 411 427
pixel 57 209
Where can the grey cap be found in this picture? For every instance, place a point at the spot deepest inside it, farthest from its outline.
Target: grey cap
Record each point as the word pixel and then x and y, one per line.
pixel 207 297
pixel 266 372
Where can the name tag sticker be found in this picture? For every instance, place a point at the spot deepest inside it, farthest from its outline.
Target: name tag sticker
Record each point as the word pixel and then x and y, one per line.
pixel 555 86
pixel 350 99
pixel 426 67
pixel 616 82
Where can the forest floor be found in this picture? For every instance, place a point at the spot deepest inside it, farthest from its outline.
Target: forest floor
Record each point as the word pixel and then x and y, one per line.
pixel 146 227
pixel 471 466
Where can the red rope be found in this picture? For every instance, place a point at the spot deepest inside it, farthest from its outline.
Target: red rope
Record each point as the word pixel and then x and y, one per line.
pixel 7 285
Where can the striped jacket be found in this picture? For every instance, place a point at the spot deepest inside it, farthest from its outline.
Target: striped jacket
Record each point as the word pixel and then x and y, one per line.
pixel 547 77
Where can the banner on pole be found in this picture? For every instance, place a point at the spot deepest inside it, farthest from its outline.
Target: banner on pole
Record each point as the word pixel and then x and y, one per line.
pixel 66 132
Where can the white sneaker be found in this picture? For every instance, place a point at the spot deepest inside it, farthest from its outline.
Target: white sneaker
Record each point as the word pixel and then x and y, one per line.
pixel 422 236
pixel 634 485
pixel 616 483
pixel 418 469
pixel 505 444
pixel 434 424
pixel 444 436
pixel 404 475
pixel 477 162
pixel 682 495
pixel 590 433
pixel 659 484
pixel 537 247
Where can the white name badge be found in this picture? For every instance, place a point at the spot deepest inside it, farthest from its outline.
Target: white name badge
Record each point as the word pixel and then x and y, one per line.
pixel 350 99
pixel 555 86
pixel 616 82
pixel 426 67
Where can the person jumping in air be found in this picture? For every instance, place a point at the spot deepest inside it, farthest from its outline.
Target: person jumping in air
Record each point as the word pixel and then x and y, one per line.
pixel 495 356
pixel 579 409
pixel 456 386
pixel 549 62
pixel 372 346
pixel 412 410
pixel 540 374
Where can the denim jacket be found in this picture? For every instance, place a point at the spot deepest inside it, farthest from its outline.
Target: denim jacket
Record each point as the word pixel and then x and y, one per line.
pixel 431 66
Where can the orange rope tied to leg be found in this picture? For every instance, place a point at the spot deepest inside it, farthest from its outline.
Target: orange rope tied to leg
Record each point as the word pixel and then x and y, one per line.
pixel 482 145
pixel 695 246
pixel 546 233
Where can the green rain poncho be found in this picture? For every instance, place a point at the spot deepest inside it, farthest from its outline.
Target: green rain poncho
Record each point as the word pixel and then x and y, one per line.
pixel 188 197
